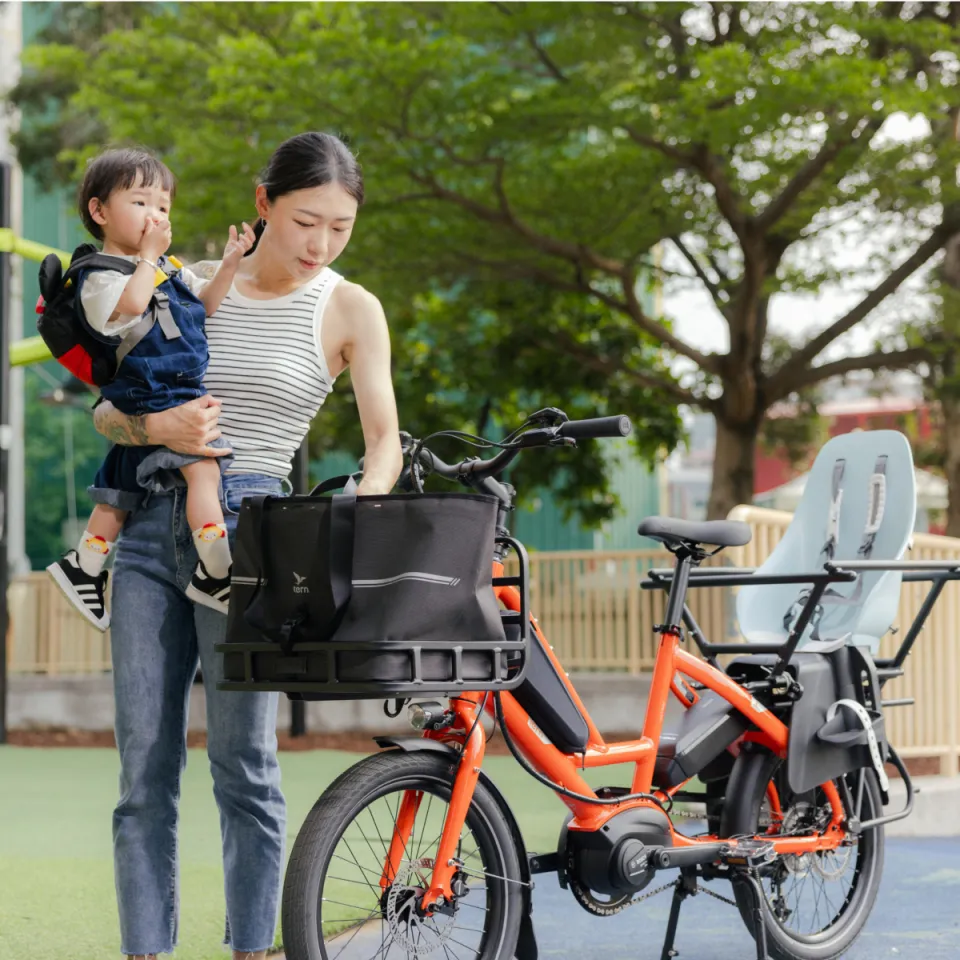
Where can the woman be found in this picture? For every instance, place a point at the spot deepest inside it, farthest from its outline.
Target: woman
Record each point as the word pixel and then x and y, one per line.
pixel 286 329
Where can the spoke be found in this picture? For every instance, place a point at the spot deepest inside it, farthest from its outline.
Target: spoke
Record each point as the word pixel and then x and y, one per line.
pixel 352 906
pixel 396 827
pixel 352 935
pixel 446 951
pixel 464 945
pixel 337 856
pixel 383 843
pixel 426 820
pixel 360 883
pixel 373 852
pixel 443 943
pixel 373 889
pixel 472 906
pixel 833 909
pixel 816 906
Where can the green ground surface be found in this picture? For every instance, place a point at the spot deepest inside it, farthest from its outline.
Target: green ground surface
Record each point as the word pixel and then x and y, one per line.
pixel 56 867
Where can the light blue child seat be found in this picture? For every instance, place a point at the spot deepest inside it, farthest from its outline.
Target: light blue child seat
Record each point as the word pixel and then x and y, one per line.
pixel 859 504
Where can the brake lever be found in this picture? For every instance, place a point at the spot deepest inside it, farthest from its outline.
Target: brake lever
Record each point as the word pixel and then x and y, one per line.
pixel 550 416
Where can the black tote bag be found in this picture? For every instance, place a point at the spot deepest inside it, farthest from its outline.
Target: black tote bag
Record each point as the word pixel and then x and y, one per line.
pixel 372 579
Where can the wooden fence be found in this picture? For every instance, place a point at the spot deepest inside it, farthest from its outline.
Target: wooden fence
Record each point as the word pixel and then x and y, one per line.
pixel 597 618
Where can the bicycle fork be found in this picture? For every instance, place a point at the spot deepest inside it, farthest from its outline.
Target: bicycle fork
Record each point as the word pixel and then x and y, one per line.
pixel 466 708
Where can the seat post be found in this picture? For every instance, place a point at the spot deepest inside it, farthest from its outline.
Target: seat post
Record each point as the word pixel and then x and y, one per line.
pixel 673 618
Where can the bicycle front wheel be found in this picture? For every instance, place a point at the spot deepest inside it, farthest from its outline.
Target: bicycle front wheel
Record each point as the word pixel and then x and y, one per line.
pixel 343 901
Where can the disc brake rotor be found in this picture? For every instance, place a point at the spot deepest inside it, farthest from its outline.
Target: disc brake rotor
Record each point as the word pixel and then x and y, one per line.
pixel 417 934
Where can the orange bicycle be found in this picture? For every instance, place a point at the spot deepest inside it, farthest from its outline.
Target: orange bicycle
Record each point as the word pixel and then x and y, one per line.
pixel 415 852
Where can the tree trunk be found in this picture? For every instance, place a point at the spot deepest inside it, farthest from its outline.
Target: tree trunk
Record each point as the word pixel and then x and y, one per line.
pixel 733 467
pixel 950 410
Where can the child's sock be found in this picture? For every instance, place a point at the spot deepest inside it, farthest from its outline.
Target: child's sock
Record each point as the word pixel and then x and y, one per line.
pixel 92 553
pixel 213 549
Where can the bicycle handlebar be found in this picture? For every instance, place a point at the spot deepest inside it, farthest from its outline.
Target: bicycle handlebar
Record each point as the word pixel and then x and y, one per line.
pixel 597 427
pixel 553 430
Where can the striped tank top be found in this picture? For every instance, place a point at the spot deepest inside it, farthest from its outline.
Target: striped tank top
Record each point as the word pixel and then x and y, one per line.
pixel 267 367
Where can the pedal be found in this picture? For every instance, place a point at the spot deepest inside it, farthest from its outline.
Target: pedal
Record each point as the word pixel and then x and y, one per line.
pixel 750 854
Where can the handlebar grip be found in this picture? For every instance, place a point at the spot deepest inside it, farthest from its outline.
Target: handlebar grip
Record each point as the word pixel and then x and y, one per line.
pixel 597 427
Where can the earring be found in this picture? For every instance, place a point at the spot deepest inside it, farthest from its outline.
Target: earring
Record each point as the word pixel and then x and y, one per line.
pixel 263 222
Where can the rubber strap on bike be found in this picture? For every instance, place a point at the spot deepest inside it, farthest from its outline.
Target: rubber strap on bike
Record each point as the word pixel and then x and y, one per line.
pixel 864 718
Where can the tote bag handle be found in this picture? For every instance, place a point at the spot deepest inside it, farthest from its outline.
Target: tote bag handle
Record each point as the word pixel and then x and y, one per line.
pixel 343 509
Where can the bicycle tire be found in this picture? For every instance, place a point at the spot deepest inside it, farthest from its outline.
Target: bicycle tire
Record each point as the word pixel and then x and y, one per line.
pixel 746 789
pixel 356 790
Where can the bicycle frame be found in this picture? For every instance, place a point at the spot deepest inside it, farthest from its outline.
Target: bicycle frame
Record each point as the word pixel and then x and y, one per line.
pixel 564 768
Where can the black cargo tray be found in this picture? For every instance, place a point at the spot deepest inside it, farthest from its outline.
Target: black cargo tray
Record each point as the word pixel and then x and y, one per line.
pixel 379 669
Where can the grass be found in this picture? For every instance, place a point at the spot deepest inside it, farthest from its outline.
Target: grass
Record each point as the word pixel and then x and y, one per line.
pixel 56 862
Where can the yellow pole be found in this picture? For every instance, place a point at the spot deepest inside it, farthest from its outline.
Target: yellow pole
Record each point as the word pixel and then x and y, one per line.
pixel 32 349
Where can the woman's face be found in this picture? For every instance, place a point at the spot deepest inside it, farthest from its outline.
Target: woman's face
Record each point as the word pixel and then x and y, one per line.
pixel 308 229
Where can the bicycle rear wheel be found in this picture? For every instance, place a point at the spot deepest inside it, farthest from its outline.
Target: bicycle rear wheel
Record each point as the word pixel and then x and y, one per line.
pixel 816 904
pixel 335 906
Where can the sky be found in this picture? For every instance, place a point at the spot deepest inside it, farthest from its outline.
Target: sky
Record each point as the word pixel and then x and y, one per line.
pixel 698 322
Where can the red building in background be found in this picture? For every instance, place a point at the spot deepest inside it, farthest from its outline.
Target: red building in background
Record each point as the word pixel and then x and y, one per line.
pixel 909 415
pixel 913 417
pixel 847 406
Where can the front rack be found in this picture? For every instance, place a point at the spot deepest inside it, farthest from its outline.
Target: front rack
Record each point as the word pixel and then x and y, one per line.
pixel 379 669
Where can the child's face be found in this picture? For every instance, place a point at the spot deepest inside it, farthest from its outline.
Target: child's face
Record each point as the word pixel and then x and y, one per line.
pixel 308 229
pixel 125 213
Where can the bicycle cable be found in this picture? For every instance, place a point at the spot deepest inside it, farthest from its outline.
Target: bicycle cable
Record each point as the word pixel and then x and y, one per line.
pixel 546 781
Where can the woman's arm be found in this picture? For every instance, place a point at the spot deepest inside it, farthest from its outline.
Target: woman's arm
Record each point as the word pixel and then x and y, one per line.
pixel 368 355
pixel 187 429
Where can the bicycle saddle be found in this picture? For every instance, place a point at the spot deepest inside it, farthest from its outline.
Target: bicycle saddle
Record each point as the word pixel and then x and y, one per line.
pixel 712 533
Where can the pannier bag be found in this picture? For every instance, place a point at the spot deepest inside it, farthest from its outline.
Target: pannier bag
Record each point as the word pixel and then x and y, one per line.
pixel 350 597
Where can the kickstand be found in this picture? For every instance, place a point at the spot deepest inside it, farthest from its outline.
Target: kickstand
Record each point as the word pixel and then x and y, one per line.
pixel 685 886
pixel 759 921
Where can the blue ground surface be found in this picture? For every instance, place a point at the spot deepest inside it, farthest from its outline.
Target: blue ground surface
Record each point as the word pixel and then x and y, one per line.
pixel 917 917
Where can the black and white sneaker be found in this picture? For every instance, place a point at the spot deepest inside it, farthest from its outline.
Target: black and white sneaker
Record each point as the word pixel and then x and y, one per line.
pixel 210 591
pixel 86 593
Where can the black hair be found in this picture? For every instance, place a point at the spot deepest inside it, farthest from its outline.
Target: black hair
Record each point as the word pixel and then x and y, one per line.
pixel 308 160
pixel 119 170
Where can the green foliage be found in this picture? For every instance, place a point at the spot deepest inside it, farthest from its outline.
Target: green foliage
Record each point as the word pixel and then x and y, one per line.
pixel 531 156
pixel 45 453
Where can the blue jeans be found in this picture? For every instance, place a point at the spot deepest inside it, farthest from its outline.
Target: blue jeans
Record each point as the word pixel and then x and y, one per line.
pixel 157 638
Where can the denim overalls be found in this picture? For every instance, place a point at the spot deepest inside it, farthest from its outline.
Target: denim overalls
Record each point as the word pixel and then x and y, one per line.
pixel 164 369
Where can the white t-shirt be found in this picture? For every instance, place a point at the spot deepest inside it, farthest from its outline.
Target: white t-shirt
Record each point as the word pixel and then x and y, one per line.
pixel 102 289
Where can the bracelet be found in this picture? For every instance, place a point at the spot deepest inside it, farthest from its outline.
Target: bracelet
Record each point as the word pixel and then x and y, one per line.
pixel 153 263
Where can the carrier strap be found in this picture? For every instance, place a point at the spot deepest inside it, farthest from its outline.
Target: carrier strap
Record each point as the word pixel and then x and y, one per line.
pixel 861 714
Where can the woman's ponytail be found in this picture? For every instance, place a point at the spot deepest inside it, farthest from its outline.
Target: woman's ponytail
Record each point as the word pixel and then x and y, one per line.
pixel 258 229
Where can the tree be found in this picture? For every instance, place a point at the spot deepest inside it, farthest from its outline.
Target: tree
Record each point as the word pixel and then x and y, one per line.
pixel 464 354
pixel 50 473
pixel 942 383
pixel 555 146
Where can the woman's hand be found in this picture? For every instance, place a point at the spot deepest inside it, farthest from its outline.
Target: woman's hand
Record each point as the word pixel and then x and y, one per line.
pixel 189 428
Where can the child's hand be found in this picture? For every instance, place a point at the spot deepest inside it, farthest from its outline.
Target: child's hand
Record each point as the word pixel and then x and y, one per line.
pixel 238 246
pixel 155 239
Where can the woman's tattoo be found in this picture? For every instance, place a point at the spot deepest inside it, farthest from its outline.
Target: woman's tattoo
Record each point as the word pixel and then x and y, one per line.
pixel 128 431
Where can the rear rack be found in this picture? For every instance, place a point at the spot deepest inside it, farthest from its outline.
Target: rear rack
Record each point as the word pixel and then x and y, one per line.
pixel 937 572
